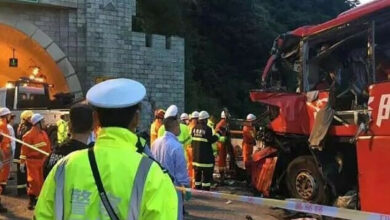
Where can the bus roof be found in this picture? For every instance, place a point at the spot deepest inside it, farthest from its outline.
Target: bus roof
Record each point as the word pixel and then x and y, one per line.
pixel 343 18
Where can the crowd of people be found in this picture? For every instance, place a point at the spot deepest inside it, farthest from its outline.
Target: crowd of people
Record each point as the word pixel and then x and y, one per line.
pixel 100 168
pixel 202 141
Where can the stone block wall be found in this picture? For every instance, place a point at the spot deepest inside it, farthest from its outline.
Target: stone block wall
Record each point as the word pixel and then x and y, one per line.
pixel 160 69
pixel 97 39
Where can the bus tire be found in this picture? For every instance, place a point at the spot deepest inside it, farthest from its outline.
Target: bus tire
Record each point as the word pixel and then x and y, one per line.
pixel 304 180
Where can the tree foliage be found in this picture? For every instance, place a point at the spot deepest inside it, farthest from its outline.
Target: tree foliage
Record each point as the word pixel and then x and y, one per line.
pixel 228 42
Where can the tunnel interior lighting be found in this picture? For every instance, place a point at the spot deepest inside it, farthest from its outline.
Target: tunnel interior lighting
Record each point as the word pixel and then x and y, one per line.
pixel 9 85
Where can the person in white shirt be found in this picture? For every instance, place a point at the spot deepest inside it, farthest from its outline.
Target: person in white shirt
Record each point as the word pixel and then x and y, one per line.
pixel 12 133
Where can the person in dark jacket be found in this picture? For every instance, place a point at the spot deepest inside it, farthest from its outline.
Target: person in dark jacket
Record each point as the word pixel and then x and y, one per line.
pixel 203 156
pixel 81 126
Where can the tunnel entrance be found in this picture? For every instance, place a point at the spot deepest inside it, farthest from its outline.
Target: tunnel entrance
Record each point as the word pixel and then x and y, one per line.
pixel 30 58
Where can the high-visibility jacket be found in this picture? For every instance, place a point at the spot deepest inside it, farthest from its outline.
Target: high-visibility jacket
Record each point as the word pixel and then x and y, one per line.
pixel 214 145
pixel 202 139
pixel 62 130
pixel 184 137
pixel 70 191
pixel 5 147
pixel 154 128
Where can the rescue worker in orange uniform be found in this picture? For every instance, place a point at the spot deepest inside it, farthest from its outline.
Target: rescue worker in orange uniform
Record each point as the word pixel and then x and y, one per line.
pixel 192 123
pixel 158 122
pixel 24 126
pixel 222 128
pixel 34 160
pixel 5 146
pixel 249 140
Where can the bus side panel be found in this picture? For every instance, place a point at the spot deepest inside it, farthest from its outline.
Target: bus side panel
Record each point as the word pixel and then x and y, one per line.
pixel 374 173
pixel 373 152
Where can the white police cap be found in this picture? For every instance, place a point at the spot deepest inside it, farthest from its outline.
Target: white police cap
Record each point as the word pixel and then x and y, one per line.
pixel 116 93
pixel 171 111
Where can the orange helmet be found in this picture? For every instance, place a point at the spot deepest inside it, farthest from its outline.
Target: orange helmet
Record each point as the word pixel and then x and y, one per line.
pixel 159 113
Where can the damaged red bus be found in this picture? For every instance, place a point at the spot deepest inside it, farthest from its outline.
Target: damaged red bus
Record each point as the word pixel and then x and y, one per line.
pixel 327 92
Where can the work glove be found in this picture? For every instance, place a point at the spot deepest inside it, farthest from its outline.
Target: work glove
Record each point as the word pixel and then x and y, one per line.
pixel 222 139
pixel 22 167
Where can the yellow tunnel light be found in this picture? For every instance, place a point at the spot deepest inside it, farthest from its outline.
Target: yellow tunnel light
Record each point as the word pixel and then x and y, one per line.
pixel 9 85
pixel 35 71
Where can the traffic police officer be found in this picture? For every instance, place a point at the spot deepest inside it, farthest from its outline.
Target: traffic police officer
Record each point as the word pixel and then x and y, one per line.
pixel 111 180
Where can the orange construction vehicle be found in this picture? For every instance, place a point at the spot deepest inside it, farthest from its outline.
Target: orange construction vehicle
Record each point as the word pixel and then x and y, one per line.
pixel 327 91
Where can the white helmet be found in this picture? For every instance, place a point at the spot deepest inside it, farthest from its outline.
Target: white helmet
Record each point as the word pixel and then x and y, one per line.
pixel 184 116
pixel 4 111
pixel 251 117
pixel 36 118
pixel 195 114
pixel 203 115
pixel 223 115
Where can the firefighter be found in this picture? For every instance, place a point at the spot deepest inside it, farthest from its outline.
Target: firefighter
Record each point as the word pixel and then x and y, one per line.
pixel 184 119
pixel 99 183
pixel 5 146
pixel 34 160
pixel 62 129
pixel 158 121
pixel 193 120
pixel 249 140
pixel 222 128
pixel 202 139
pixel 24 126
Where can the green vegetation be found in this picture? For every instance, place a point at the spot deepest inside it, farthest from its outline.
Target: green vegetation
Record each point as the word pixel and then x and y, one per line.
pixel 228 42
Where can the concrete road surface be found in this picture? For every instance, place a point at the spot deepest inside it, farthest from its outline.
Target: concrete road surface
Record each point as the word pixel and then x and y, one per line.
pixel 201 208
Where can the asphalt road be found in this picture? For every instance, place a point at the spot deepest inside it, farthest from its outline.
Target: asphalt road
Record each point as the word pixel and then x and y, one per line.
pixel 198 208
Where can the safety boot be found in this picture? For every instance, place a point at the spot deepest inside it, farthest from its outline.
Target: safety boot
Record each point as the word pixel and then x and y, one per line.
pixel 2 208
pixel 31 203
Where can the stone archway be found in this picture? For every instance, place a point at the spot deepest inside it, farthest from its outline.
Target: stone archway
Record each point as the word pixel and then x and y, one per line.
pixel 59 68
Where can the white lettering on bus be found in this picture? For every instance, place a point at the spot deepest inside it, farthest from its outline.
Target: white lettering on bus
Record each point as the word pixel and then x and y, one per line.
pixel 384 109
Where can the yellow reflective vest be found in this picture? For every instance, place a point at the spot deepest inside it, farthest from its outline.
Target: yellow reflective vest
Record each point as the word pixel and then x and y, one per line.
pixel 62 130
pixel 70 192
pixel 214 145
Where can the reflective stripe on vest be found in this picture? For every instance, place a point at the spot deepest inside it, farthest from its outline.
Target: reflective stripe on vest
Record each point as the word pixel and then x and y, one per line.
pixel 136 195
pixel 200 139
pixel 138 188
pixel 202 164
pixel 60 183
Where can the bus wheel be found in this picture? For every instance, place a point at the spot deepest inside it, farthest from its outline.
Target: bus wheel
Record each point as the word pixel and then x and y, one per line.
pixel 304 180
